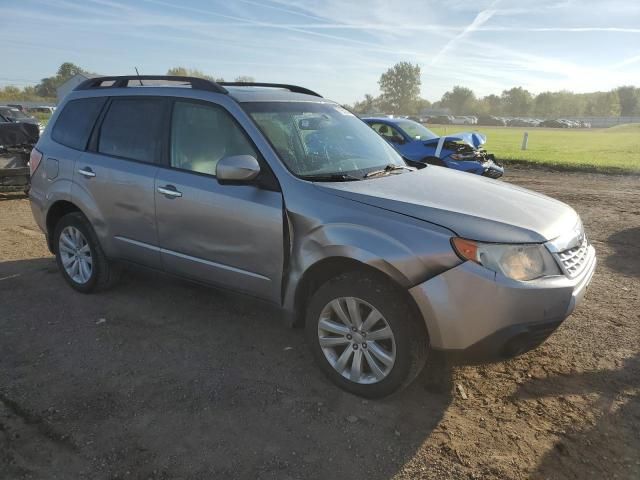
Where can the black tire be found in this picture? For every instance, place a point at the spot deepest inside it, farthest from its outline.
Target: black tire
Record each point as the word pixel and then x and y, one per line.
pixel 433 161
pixel 103 273
pixel 409 331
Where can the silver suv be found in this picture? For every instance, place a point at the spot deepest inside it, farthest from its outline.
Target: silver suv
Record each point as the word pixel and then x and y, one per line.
pixel 274 191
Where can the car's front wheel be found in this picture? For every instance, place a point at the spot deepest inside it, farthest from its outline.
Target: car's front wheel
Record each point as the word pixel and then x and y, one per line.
pixel 364 336
pixel 79 255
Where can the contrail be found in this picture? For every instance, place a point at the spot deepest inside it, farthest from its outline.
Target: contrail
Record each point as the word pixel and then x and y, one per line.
pixel 480 20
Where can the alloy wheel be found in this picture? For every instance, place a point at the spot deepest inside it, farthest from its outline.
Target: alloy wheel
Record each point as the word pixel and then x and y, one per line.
pixel 75 254
pixel 356 340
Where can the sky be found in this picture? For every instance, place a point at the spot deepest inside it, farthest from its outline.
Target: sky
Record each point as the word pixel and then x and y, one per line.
pixel 336 47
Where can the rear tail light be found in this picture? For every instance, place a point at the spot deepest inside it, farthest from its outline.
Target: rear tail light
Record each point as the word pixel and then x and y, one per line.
pixel 34 160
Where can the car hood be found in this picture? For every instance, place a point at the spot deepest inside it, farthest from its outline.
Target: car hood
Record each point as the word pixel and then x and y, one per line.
pixel 473 139
pixel 471 206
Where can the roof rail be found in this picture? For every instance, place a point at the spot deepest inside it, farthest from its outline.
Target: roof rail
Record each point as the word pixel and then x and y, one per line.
pixel 123 82
pixel 291 88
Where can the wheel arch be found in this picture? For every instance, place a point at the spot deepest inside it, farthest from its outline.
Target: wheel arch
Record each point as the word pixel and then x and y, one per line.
pixel 331 267
pixel 56 211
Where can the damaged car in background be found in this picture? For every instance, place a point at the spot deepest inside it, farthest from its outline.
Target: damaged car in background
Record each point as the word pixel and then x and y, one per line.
pixel 415 142
pixel 16 142
pixel 9 114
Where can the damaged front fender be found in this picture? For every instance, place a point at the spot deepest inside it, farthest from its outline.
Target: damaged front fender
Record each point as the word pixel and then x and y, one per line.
pixel 407 255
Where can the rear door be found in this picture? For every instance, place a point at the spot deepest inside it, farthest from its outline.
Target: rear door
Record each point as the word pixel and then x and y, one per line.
pixel 116 177
pixel 228 235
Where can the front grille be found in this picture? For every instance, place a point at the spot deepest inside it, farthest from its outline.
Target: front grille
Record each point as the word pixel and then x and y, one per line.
pixel 574 259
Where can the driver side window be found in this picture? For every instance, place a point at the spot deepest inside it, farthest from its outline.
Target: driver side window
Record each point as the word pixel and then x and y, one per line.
pixel 387 132
pixel 202 134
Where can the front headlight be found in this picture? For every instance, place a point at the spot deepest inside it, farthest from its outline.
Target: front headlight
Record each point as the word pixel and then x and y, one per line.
pixel 516 261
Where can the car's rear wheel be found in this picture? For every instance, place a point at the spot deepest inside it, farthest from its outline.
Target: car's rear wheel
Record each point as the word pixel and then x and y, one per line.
pixel 79 255
pixel 364 336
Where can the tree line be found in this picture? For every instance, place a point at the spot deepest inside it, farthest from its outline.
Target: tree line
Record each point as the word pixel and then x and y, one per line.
pixel 194 72
pixel 517 101
pixel 46 89
pixel 400 94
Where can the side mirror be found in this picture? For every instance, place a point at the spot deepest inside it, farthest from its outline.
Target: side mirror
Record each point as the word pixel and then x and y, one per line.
pixel 237 168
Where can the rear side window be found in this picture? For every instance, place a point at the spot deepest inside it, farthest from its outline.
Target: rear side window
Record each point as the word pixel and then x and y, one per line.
pixel 75 122
pixel 132 128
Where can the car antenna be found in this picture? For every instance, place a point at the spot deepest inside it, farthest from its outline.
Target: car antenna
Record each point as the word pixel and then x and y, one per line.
pixel 138 73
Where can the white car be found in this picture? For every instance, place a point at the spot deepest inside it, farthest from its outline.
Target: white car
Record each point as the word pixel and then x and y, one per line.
pixel 462 120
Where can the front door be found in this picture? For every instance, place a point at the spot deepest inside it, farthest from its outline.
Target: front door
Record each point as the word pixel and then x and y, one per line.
pixel 227 235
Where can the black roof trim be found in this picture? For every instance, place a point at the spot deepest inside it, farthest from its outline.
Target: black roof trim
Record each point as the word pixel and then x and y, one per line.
pixel 123 82
pixel 194 82
pixel 291 88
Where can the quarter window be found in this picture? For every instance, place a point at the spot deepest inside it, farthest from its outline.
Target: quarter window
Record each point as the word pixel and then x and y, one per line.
pixel 201 135
pixel 132 128
pixel 75 122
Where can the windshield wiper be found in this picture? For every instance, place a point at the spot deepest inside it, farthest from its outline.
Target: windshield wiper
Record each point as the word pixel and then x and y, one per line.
pixel 388 169
pixel 332 177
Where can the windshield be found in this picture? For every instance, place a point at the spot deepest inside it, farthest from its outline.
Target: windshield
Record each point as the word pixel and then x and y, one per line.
pixel 316 139
pixel 415 130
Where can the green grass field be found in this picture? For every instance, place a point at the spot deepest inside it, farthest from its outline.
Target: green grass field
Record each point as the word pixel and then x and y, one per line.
pixel 615 149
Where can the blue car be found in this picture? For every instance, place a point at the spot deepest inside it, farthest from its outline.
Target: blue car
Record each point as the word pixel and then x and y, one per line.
pixel 417 143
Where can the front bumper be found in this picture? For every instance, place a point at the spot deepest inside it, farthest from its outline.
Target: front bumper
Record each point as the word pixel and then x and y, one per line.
pixel 492 169
pixel 476 315
pixel 481 164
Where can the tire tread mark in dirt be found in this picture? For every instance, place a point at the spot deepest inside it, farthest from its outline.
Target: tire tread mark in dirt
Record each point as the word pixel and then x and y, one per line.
pixel 43 427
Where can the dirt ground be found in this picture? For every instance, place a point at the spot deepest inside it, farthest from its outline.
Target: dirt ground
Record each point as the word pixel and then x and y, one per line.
pixel 161 379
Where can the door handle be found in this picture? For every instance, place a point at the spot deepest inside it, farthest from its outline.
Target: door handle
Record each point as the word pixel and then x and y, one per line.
pixel 86 172
pixel 170 191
